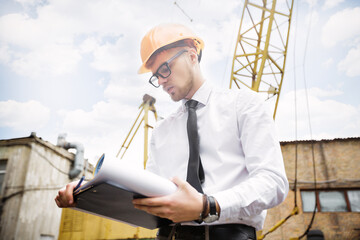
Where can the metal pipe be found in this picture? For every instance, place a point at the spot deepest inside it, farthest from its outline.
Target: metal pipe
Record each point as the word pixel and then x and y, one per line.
pixel 78 164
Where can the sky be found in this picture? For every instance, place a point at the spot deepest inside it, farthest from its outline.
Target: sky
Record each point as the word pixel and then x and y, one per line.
pixel 71 67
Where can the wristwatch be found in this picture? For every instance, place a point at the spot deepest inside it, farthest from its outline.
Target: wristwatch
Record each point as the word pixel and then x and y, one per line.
pixel 213 215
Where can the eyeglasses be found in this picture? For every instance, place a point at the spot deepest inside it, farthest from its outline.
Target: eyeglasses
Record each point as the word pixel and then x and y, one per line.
pixel 164 70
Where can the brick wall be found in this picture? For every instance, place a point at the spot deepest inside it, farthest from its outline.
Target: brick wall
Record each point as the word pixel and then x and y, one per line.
pixel 337 167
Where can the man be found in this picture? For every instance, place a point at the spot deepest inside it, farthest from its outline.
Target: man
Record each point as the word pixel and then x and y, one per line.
pixel 232 172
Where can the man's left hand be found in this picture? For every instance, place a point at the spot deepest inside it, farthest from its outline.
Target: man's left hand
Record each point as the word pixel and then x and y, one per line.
pixel 185 204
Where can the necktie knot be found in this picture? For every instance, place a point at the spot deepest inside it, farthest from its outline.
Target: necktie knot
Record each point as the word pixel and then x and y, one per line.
pixel 191 104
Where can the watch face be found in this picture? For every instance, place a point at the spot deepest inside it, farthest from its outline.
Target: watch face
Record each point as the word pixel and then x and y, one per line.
pixel 211 218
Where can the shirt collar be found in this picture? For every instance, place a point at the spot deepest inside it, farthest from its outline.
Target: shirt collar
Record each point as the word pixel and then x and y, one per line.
pixel 201 95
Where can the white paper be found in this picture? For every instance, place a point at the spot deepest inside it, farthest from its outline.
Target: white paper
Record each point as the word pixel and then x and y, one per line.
pixel 133 179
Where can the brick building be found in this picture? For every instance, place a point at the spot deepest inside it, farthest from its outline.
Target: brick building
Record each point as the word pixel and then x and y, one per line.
pixel 337 192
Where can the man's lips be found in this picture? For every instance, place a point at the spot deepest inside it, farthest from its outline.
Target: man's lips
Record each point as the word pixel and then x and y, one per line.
pixel 169 89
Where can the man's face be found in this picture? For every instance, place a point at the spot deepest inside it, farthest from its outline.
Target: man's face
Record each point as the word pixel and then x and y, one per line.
pixel 179 83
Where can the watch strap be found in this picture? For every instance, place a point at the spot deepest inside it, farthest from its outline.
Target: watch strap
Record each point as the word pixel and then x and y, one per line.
pixel 205 204
pixel 213 214
pixel 212 203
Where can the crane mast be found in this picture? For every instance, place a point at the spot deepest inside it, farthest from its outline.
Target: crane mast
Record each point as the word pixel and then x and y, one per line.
pixel 261 47
pixel 147 105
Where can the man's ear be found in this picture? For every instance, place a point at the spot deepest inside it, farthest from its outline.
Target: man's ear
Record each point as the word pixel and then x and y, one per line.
pixel 193 55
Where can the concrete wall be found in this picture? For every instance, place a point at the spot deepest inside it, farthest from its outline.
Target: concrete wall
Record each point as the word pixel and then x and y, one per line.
pixel 337 166
pixel 35 171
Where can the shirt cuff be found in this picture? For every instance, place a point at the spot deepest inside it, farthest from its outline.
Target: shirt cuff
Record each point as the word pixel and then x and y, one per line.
pixel 229 203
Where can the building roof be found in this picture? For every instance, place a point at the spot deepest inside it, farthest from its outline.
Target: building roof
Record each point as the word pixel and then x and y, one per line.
pixel 322 140
pixel 33 138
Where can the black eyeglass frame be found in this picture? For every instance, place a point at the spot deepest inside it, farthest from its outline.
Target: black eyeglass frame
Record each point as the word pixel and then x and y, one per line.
pixel 155 77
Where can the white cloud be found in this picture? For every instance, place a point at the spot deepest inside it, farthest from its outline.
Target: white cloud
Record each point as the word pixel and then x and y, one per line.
pixel 329 118
pixel 311 3
pixel 23 31
pixel 115 58
pixel 321 93
pixel 94 123
pixel 331 4
pixel 342 26
pixel 30 2
pixel 51 60
pixel 328 63
pixel 126 90
pixel 99 129
pixel 47 43
pixel 351 64
pixel 62 23
pixel 312 19
pixel 89 45
pixel 28 116
pixel 5 54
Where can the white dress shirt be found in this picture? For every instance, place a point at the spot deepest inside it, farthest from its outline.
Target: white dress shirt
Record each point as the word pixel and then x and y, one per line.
pixel 239 151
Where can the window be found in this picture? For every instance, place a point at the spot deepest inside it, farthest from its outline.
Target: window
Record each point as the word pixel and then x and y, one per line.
pixel 308 200
pixel 331 200
pixel 354 199
pixel 46 237
pixel 3 163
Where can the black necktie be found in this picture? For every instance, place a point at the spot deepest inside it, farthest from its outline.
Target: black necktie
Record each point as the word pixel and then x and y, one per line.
pixel 195 172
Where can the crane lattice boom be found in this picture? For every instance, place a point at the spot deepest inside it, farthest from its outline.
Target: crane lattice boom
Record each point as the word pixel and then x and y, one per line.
pixel 261 47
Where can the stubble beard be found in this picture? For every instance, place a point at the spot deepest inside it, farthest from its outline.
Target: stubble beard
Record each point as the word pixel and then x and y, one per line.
pixel 188 87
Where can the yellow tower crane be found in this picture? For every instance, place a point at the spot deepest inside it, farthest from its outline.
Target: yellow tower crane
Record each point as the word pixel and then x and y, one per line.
pixel 146 106
pixel 261 47
pixel 260 54
pixel 94 227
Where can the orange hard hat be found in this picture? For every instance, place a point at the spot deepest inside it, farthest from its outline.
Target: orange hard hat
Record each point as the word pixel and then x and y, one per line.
pixel 163 35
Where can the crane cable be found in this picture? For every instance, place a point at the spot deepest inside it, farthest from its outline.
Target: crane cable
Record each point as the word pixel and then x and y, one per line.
pixel 182 10
pixel 295 109
pixel 296 209
pixel 309 122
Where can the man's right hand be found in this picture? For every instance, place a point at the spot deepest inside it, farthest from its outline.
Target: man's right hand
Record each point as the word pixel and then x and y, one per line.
pixel 65 197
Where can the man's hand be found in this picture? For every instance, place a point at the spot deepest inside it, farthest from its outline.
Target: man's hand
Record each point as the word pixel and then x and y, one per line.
pixel 65 197
pixel 185 204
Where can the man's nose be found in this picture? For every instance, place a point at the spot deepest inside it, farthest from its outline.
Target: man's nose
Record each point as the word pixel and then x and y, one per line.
pixel 162 80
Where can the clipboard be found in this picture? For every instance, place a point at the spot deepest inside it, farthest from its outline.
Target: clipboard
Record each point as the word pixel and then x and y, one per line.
pixel 109 201
pixel 110 193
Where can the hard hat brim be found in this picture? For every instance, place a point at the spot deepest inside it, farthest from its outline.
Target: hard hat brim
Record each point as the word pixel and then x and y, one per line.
pixel 199 44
